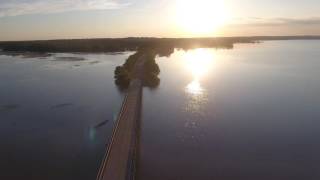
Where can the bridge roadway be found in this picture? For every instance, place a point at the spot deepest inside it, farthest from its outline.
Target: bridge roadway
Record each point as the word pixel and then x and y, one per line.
pixel 119 161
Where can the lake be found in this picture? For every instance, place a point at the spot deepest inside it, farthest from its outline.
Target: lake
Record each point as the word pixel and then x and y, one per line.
pixel 247 113
pixel 252 112
pixel 56 114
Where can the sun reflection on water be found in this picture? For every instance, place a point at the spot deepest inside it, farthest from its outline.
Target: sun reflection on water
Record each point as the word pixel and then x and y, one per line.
pixel 198 63
pixel 194 88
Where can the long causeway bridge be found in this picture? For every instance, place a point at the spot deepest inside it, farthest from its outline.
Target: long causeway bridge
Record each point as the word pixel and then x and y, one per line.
pixel 119 161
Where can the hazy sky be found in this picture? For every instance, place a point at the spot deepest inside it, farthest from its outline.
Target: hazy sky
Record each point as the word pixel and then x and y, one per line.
pixel 52 19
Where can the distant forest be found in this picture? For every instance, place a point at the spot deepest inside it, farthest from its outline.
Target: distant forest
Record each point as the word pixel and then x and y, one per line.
pixel 133 44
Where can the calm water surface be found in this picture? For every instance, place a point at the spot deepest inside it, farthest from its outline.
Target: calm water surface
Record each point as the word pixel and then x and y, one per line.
pixel 243 114
pixel 56 115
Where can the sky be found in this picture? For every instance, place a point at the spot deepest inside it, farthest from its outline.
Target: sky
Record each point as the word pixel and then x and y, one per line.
pixel 67 19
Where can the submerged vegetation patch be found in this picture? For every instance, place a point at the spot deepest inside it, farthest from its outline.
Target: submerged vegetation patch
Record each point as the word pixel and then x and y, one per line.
pixel 9 107
pixel 103 123
pixel 71 59
pixel 26 54
pixel 94 62
pixel 63 105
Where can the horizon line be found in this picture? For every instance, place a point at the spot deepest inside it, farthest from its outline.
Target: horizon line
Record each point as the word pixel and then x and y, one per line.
pixel 316 36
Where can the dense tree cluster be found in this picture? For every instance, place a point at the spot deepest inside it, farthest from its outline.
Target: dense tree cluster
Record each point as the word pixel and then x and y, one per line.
pixel 125 73
pixel 118 45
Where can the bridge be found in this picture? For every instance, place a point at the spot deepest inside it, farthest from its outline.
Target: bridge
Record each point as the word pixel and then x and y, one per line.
pixel 119 161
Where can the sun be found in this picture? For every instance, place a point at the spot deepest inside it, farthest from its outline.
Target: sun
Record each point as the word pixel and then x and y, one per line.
pixel 200 17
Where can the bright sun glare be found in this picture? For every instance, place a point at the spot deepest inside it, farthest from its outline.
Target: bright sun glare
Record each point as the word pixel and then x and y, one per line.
pixel 198 63
pixel 201 17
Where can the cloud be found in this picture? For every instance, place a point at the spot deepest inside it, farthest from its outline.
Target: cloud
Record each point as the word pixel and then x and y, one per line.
pixel 256 21
pixel 308 21
pixel 23 7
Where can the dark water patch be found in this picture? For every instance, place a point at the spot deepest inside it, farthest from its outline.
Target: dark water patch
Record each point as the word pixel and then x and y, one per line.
pixel 9 107
pixel 36 55
pixel 115 53
pixel 25 54
pixel 101 124
pixel 70 59
pixel 63 105
pixel 14 124
pixel 94 62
